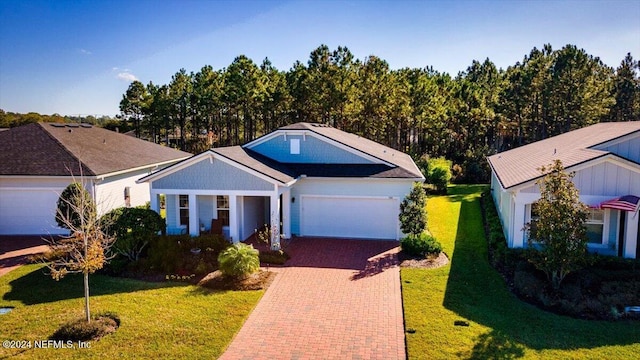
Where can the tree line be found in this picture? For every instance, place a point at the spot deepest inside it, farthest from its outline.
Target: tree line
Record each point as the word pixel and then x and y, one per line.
pixel 480 111
pixel 11 119
pixel 464 118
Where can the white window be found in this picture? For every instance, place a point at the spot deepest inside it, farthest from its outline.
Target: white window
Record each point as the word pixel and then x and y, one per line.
pixel 595 226
pixel 295 146
pixel 222 203
pixel 183 208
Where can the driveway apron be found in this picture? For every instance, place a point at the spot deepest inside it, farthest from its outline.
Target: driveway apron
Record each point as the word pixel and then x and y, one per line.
pixel 335 299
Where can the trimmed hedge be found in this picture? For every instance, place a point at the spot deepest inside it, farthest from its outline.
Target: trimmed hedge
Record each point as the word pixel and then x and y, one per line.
pixel 421 245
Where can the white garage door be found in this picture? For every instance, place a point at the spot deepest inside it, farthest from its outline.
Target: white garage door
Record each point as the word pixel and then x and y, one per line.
pixel 350 217
pixel 27 212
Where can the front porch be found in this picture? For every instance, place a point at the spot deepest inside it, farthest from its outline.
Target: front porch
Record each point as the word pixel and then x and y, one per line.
pixel 236 215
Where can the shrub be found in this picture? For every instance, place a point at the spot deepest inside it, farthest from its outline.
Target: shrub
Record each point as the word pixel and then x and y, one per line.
pixel 172 254
pixel 133 228
pixel 75 207
pixel 211 242
pixel 529 285
pixel 239 260
pixel 420 245
pixel 413 211
pixel 277 257
pixel 439 174
pixel 165 253
pixel 81 330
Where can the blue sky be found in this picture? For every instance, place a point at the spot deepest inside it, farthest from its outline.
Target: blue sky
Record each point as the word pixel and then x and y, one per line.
pixel 78 57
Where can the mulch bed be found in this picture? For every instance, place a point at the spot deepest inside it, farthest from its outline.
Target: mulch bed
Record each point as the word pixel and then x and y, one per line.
pixel 429 262
pixel 258 281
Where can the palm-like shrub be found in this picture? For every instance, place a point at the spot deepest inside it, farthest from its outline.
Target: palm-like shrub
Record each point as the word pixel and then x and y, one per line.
pixel 239 260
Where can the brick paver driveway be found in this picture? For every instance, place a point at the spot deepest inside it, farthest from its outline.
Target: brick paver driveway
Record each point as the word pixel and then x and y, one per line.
pixel 14 250
pixel 335 299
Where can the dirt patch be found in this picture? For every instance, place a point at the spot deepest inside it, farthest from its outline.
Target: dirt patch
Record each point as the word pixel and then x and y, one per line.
pixel 258 281
pixel 430 262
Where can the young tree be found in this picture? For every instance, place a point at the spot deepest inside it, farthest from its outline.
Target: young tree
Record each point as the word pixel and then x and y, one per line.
pixel 413 211
pixel 557 238
pixel 86 249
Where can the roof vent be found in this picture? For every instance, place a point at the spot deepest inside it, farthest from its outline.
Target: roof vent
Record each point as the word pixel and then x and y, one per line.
pixel 73 125
pixel 87 126
pixel 57 125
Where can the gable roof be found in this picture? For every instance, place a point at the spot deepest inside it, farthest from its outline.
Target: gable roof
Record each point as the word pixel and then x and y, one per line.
pixel 384 153
pixel 257 162
pixel 393 164
pixel 51 149
pixel 520 165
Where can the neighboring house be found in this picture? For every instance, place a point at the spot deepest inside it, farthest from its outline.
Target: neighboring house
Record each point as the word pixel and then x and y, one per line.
pixel 606 160
pixel 37 162
pixel 311 179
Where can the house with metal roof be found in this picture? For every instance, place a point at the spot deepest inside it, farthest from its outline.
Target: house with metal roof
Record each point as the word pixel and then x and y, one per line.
pixel 303 179
pixel 605 159
pixel 37 162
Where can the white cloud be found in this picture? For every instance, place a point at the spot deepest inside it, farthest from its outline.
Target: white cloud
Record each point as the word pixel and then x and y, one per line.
pixel 85 52
pixel 126 76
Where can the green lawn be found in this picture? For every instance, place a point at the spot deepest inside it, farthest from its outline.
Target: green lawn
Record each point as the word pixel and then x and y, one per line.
pixel 501 326
pixel 158 320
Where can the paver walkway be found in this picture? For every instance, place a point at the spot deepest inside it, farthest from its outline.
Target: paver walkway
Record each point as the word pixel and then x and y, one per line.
pixel 335 299
pixel 14 250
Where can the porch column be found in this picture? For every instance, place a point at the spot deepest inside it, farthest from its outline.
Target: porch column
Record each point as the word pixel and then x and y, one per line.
pixel 194 225
pixel 154 203
pixel 233 219
pixel 631 235
pixel 274 204
pixel 518 225
pixel 286 213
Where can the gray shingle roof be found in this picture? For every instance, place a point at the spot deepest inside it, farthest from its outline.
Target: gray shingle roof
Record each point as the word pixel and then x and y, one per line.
pixel 47 149
pixel 257 162
pixel 364 145
pixel 520 165
pixel 286 172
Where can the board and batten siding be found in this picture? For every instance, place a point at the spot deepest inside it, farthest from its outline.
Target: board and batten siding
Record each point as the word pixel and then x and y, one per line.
pixel 607 179
pixel 312 151
pixel 345 187
pixel 602 179
pixel 211 175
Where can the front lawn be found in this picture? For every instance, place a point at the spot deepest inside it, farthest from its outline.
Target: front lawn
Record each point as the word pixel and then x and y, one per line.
pixel 158 320
pixel 500 325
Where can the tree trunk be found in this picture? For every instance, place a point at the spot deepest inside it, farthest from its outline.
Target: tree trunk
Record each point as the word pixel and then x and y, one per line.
pixel 86 297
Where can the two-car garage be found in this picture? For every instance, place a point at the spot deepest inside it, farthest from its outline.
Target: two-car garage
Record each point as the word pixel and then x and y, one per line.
pixel 28 209
pixel 365 217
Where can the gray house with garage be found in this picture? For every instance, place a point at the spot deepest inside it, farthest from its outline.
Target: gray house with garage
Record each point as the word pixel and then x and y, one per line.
pixel 303 179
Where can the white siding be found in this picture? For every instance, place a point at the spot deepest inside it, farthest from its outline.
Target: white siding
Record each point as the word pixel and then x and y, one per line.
pixel 504 206
pixel 607 179
pixel 110 191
